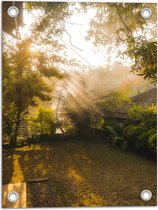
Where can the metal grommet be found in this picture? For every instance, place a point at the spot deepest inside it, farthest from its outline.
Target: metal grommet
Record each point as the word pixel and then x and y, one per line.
pixel 146 195
pixel 13 197
pixel 146 13
pixel 13 11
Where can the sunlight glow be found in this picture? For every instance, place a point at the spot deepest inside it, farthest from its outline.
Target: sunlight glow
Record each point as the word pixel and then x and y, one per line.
pixel 17 171
pixel 74 175
pixel 78 31
pixel 78 48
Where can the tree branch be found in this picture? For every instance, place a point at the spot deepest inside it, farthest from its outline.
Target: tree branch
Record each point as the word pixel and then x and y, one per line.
pixel 129 32
pixel 69 36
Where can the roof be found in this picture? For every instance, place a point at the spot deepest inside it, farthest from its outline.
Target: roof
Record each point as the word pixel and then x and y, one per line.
pixel 146 98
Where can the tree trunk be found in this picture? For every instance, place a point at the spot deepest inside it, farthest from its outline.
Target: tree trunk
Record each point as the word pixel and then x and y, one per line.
pixel 15 134
pixel 59 125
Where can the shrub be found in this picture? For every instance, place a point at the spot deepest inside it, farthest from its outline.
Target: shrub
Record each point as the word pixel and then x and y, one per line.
pixel 70 129
pixel 117 141
pixel 140 138
pixel 131 134
pixel 114 132
pixel 111 130
pixel 150 117
pixel 143 137
pixel 147 116
pixel 136 112
pixel 142 141
pixel 152 142
pixel 97 122
pixel 43 123
pixel 116 127
pixel 151 131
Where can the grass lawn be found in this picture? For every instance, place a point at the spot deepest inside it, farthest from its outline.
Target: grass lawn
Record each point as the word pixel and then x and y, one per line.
pixel 85 173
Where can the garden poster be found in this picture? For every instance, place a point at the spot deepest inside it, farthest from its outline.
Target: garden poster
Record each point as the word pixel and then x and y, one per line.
pixel 79 108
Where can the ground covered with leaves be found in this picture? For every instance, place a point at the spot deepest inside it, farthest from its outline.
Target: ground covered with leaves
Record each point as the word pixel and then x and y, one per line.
pixel 83 173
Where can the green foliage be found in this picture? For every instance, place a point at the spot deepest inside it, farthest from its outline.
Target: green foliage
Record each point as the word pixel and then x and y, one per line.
pixel 52 12
pixel 144 55
pixel 9 116
pixel 23 85
pixel 117 141
pixel 152 142
pixel 111 130
pixel 150 117
pixel 117 126
pixel 97 122
pixel 140 138
pixel 132 132
pixel 81 120
pixel 121 19
pixel 143 135
pixel 147 116
pixel 43 122
pixel 70 129
pixel 114 132
pixel 49 26
pixel 146 140
pixel 115 101
pixel 127 27
pixel 136 112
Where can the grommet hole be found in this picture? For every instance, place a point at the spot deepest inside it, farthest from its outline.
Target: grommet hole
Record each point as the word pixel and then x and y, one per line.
pixel 13 11
pixel 13 197
pixel 146 195
pixel 146 13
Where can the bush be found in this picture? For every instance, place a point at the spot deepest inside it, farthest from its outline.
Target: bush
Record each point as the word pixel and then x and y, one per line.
pixel 148 140
pixel 131 134
pixel 97 122
pixel 150 117
pixel 43 123
pixel 152 143
pixel 114 131
pixel 110 130
pixel 142 141
pixel 117 141
pixel 116 127
pixel 70 129
pixel 142 136
pixel 147 116
pixel 136 112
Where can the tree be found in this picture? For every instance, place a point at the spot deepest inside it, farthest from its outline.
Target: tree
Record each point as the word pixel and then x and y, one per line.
pixel 23 83
pixel 43 123
pixel 144 56
pixel 147 116
pixel 117 101
pixel 48 29
pixel 122 22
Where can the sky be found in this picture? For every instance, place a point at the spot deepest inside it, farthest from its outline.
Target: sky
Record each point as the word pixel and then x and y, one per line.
pixel 81 49
pixel 103 57
pixel 92 56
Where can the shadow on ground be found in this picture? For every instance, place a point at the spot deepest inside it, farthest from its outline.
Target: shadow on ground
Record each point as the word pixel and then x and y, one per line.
pixel 84 173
